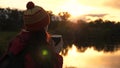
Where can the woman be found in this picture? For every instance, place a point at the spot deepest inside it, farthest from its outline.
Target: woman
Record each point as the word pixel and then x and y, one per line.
pixel 33 43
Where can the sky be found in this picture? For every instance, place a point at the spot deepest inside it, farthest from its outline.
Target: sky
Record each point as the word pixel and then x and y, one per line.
pixel 79 9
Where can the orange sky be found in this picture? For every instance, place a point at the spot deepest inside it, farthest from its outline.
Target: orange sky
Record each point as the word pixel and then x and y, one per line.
pixel 82 9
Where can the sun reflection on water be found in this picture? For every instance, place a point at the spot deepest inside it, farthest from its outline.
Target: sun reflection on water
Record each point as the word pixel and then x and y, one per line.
pixel 91 59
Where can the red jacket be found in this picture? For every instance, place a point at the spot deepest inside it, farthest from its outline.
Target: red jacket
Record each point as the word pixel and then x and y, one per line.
pixel 19 43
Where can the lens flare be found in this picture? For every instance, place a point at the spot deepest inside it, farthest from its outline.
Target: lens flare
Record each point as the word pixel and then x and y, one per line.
pixel 44 52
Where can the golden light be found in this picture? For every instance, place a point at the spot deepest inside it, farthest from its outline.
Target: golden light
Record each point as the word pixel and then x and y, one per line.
pixel 89 59
pixel 75 8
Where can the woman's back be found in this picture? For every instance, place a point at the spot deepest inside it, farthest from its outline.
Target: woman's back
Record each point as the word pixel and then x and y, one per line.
pixel 38 53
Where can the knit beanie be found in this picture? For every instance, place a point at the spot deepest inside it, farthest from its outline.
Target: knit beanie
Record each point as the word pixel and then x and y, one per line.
pixel 35 18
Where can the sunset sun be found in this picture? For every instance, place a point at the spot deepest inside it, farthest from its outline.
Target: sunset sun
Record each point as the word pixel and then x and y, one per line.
pixel 75 9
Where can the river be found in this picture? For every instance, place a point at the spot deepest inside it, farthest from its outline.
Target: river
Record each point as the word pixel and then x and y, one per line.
pixel 91 58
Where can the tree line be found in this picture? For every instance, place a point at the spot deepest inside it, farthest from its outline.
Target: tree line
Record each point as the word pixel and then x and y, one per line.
pixel 12 19
pixel 83 34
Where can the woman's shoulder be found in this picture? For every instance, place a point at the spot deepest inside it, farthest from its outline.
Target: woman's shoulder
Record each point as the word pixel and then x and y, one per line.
pixel 22 36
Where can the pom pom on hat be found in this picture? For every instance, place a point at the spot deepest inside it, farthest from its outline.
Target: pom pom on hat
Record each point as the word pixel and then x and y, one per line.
pixel 36 18
pixel 30 5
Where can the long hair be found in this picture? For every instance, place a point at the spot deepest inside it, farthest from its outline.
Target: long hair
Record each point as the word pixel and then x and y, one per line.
pixel 38 36
pixel 38 43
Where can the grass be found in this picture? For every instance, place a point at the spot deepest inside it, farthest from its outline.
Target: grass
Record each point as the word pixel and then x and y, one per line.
pixel 5 38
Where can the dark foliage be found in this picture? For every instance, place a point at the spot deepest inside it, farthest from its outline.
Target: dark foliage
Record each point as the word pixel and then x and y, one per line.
pixel 10 19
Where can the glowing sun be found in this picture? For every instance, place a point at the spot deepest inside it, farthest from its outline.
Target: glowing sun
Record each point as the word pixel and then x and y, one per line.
pixel 75 8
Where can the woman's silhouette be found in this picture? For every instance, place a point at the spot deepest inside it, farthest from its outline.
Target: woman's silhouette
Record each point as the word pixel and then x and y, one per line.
pixel 33 42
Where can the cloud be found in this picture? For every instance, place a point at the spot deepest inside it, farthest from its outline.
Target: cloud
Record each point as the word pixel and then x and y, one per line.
pixel 113 4
pixel 96 15
pixel 89 17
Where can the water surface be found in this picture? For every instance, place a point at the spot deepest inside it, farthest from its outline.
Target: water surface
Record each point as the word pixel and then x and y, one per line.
pixel 91 59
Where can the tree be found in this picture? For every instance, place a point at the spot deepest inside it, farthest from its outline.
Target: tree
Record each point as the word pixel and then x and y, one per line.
pixel 10 19
pixel 64 16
